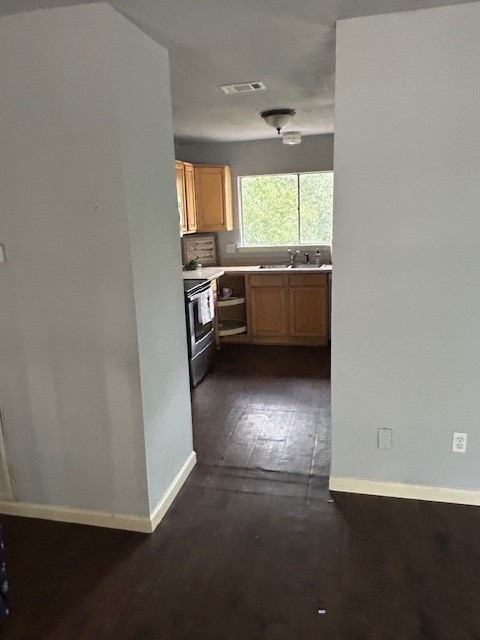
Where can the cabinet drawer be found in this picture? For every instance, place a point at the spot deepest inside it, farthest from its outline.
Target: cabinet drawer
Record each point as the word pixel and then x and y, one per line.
pixel 307 279
pixel 268 280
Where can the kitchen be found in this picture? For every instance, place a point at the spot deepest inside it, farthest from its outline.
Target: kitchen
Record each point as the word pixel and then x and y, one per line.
pixel 270 304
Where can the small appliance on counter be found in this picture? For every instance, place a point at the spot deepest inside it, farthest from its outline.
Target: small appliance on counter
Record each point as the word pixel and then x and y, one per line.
pixel 200 313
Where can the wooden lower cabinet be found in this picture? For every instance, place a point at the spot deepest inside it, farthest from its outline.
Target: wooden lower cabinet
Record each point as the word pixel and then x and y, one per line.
pixel 288 309
pixel 308 312
pixel 268 311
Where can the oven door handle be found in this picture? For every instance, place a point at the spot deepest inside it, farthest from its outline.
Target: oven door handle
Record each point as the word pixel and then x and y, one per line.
pixel 197 296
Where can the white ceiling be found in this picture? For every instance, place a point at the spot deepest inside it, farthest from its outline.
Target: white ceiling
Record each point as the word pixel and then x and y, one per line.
pixel 290 46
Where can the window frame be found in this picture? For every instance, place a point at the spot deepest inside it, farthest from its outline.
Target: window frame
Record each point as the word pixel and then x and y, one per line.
pixel 275 247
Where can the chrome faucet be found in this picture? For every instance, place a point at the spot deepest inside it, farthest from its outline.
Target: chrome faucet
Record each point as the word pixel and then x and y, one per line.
pixel 293 257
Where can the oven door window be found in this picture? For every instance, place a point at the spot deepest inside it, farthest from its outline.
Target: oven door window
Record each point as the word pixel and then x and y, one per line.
pixel 200 330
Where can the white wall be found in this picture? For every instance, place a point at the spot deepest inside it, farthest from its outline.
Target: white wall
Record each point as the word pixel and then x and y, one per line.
pixel 73 186
pixel 147 147
pixel 256 158
pixel 406 298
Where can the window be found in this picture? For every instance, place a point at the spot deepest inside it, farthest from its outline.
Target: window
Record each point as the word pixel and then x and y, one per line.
pixel 286 209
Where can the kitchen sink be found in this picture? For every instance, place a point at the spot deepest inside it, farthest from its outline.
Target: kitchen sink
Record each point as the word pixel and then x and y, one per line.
pixel 289 266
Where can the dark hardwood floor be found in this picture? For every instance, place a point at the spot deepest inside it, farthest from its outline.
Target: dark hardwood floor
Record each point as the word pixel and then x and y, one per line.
pixel 266 408
pixel 252 548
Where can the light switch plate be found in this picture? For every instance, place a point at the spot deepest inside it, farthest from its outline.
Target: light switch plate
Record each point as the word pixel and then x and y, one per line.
pixel 384 438
pixel 3 257
pixel 231 248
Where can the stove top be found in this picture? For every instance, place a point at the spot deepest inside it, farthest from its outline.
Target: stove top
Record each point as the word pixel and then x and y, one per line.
pixel 191 285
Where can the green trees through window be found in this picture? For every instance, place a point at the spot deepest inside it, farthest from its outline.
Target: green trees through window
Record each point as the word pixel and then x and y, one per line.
pixel 287 209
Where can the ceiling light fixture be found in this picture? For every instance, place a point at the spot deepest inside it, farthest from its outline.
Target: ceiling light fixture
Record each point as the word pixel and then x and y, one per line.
pixel 292 137
pixel 278 118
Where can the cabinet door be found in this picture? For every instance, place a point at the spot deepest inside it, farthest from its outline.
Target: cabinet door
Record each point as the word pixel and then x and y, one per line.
pixel 268 311
pixel 180 178
pixel 190 199
pixel 308 311
pixel 213 198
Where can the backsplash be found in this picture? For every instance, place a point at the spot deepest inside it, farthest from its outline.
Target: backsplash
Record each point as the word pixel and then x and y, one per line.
pixel 273 256
pixel 251 256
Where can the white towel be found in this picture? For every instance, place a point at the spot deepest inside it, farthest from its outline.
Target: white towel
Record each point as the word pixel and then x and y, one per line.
pixel 206 309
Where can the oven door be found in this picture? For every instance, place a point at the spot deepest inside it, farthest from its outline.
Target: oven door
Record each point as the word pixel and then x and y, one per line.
pixel 199 335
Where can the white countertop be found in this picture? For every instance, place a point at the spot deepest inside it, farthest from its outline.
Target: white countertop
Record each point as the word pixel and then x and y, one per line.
pixel 325 268
pixel 204 273
pixel 211 273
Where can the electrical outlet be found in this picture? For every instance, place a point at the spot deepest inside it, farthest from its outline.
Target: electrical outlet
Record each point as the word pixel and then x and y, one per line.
pixel 459 443
pixel 231 248
pixel 384 439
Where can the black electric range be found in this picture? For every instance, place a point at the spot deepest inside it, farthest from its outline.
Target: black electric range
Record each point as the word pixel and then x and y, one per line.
pixel 200 335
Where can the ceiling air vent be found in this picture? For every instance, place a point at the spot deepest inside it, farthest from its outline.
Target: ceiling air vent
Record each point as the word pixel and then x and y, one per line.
pixel 242 87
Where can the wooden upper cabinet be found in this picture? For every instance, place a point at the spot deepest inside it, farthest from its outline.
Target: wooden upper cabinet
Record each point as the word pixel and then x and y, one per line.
pixel 186 196
pixel 180 182
pixel 308 307
pixel 190 197
pixel 204 194
pixel 213 190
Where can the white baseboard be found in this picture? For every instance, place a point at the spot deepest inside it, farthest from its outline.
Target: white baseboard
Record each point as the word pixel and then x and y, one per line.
pixel 77 516
pixel 162 507
pixel 142 524
pixel 409 491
